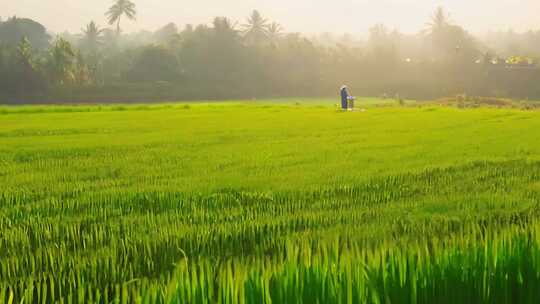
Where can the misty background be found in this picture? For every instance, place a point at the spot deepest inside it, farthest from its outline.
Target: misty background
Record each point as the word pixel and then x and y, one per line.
pixel 307 16
pixel 142 50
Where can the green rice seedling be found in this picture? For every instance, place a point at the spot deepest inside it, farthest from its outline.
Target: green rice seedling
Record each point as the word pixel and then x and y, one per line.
pixel 239 204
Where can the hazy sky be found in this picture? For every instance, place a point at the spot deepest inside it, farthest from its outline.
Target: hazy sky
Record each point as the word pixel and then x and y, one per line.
pixel 310 16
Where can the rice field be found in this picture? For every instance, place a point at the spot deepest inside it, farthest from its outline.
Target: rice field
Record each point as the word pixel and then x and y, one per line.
pixel 269 202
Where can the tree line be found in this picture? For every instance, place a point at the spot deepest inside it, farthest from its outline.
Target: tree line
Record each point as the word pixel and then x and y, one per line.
pixel 256 59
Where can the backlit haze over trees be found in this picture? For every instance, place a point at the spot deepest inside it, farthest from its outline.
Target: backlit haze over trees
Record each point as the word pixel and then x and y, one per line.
pixel 257 57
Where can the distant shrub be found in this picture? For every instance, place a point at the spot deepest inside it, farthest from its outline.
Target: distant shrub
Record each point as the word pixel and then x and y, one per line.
pixel 400 101
pixel 465 101
pixel 154 63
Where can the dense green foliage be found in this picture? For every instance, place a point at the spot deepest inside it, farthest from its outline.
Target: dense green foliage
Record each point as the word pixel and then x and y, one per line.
pixel 13 30
pixel 282 202
pixel 257 58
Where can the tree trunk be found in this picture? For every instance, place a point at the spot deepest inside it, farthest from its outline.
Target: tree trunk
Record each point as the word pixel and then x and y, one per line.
pixel 118 25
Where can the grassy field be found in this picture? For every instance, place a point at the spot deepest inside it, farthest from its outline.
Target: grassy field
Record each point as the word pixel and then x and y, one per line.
pixel 284 201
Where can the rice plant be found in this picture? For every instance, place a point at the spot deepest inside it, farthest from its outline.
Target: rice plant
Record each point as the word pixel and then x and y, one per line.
pixel 98 207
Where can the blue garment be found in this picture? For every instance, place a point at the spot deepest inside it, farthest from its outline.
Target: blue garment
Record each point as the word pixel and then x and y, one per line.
pixel 344 98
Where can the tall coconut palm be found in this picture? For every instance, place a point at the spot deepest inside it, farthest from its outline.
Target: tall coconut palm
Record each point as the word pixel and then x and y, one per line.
pixel 62 62
pixel 24 53
pixel 224 24
pixel 255 30
pixel 275 31
pixel 439 20
pixel 225 28
pixel 121 8
pixel 89 61
pixel 25 65
pixel 92 37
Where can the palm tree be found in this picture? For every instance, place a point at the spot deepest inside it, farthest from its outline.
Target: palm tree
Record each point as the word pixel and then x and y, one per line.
pixel 81 70
pixel 224 25
pixel 91 42
pixel 119 9
pixel 92 38
pixel 25 64
pixel 62 62
pixel 225 29
pixel 255 30
pixel 275 31
pixel 24 53
pixel 439 20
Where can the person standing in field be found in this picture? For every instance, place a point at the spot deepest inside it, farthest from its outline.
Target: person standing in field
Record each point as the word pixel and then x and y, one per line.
pixel 344 97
